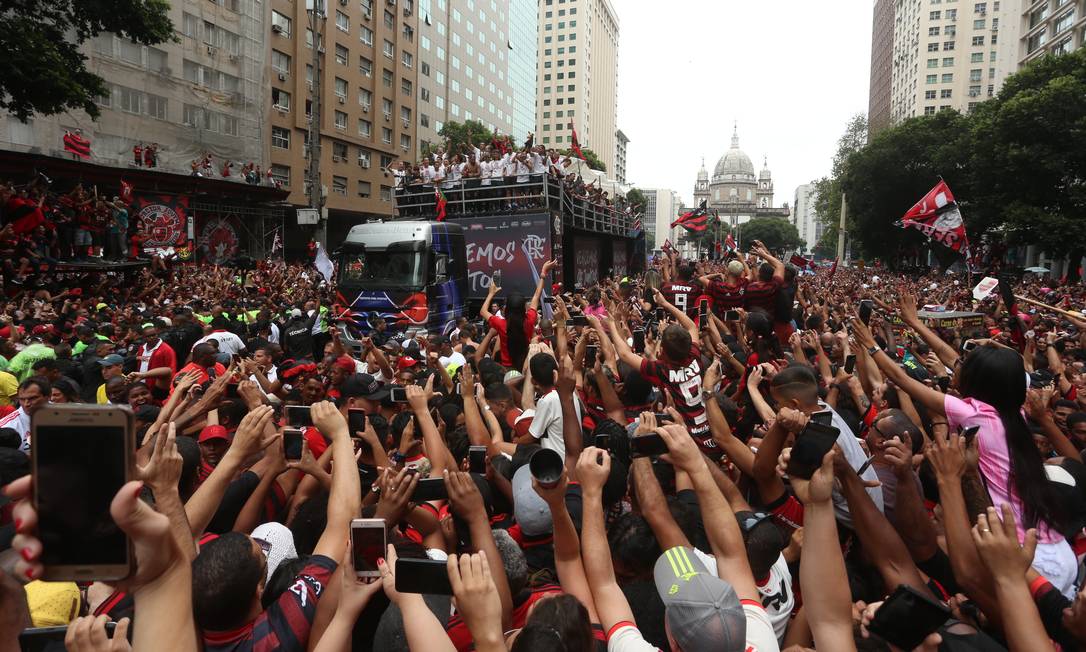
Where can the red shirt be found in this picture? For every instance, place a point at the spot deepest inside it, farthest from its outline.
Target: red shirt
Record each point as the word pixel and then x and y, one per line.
pixel 683 296
pixel 727 297
pixel 203 375
pixel 683 382
pixel 163 356
pixel 461 638
pixel 762 294
pixel 499 324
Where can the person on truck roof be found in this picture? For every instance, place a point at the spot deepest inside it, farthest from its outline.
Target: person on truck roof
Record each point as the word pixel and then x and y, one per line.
pixel 516 327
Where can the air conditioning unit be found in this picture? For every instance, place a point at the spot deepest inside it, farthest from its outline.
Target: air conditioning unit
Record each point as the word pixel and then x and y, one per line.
pixel 406 12
pixel 282 76
pixel 406 124
pixel 165 71
pixel 404 147
pixel 278 29
pixel 341 98
pixel 343 3
pixel 211 50
pixel 337 159
pixel 367 15
pixel 363 163
pixel 365 108
pixel 391 3
pixel 281 109
pixel 234 58
pixel 388 117
pixel 309 86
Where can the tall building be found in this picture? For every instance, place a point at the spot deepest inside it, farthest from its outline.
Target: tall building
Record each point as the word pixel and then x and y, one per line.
pixel 523 61
pixel 463 50
pixel 805 216
pixel 1049 26
pixel 578 75
pixel 203 93
pixel 621 141
pixel 945 56
pixel 882 66
pixel 734 191
pixel 661 209
pixel 367 72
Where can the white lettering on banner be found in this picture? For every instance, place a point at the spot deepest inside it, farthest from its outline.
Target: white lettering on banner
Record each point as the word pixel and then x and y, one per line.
pixel 480 280
pixel 533 247
pixel 502 253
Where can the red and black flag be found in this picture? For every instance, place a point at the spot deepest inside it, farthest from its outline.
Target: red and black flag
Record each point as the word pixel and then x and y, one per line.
pixel 576 144
pixel 694 221
pixel 937 216
pixel 801 262
pixel 76 144
pixel 126 192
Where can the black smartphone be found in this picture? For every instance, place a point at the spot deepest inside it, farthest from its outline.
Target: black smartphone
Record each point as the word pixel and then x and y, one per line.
pixel 866 308
pixel 477 459
pixel 292 443
pixel 427 576
pixel 638 339
pixel 397 394
pixel 811 446
pixel 430 489
pixel 591 352
pixel 368 544
pixel 231 390
pixel 356 420
pixel 82 456
pixel 969 345
pixel 298 416
pixel 649 445
pixel 731 315
pixel 496 278
pixel 907 617
pixel 824 417
pixel 850 363
pixel 51 639
pixel 603 441
pixel 577 320
pixel 703 315
pixel 944 383
pixel 549 300
pixel 662 417
pixel 661 314
pixel 969 433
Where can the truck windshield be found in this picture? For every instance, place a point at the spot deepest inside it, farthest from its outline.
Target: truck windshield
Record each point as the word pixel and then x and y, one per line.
pixel 400 265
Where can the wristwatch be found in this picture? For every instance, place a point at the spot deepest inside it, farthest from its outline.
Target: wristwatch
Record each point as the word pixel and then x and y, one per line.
pixel 873 350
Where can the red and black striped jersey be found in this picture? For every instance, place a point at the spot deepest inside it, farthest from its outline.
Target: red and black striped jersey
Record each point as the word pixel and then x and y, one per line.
pixel 683 382
pixel 762 294
pixel 727 297
pixel 683 296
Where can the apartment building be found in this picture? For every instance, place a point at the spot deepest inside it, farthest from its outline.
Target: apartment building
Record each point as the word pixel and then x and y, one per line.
pixel 366 65
pixel 1049 27
pixel 882 66
pixel 578 75
pixel 523 63
pixel 805 217
pixel 619 172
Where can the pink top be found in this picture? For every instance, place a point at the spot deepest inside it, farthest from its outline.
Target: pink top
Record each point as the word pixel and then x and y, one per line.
pixel 995 459
pixel 596 311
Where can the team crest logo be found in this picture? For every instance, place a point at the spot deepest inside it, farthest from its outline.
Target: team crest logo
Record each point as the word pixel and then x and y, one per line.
pixel 162 226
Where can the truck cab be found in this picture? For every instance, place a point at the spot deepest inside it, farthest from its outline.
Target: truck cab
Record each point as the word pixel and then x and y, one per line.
pixel 411 273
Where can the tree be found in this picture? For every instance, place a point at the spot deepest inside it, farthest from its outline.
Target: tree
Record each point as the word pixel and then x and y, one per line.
pixel 637 200
pixel 828 189
pixel 590 158
pixel 45 72
pixel 458 136
pixel 776 233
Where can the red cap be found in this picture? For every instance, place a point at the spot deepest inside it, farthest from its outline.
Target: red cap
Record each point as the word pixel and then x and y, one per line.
pixel 43 329
pixel 346 363
pixel 213 432
pixel 519 420
pixel 406 362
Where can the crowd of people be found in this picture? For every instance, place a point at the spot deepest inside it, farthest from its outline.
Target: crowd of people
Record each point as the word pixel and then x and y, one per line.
pixel 473 168
pixel 687 505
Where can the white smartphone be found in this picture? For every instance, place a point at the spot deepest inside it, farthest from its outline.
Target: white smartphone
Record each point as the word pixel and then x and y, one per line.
pixel 81 456
pixel 368 542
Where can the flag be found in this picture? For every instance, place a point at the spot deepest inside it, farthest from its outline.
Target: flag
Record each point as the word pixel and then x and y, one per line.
pixel 323 263
pixel 696 220
pixel 76 144
pixel 277 243
pixel 668 247
pixel 729 243
pixel 126 192
pixel 801 262
pixel 439 197
pixel 833 270
pixel 937 216
pixel 576 144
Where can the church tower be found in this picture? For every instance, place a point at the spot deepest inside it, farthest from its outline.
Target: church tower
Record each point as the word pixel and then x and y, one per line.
pixel 765 186
pixel 701 188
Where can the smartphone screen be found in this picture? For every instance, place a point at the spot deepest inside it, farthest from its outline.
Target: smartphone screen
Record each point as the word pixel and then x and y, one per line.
pixel 866 308
pixel 648 445
pixel 907 617
pixel 661 314
pixel 298 416
pixel 78 469
pixel 824 417
pixel 496 278
pixel 969 345
pixel 427 576
pixel 603 441
pixel 590 353
pixel 850 363
pixel 397 394
pixel 731 315
pixel 811 446
pixel 430 489
pixel 703 314
pixel 356 420
pixel 639 339
pixel 368 544
pixel 577 320
pixel 292 443
pixel 477 459
pixel 969 434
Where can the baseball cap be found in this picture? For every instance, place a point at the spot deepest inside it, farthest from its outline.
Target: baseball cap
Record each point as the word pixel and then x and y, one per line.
pixel 111 360
pixel 213 432
pixel 297 312
pixel 512 375
pixel 363 386
pixel 277 543
pixel 703 612
pixel 346 363
pixel 520 420
pixel 406 362
pixel 392 345
pixel 531 511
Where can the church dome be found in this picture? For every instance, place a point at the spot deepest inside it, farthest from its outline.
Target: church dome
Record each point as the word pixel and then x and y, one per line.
pixel 735 161
pixel 765 174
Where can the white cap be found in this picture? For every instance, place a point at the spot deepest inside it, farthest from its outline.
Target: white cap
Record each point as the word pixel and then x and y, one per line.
pixel 297 312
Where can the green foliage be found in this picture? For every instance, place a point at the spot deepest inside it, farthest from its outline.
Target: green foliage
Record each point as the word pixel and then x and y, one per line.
pixel 637 200
pixel 828 189
pixel 776 233
pixel 460 136
pixel 590 158
pixel 44 71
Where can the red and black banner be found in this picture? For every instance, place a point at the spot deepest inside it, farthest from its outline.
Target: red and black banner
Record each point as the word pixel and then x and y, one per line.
pixel 801 262
pixel 76 144
pixel 694 221
pixel 162 221
pixel 937 216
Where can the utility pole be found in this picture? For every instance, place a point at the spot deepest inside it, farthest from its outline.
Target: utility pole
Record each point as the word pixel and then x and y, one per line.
pixel 315 9
pixel 841 230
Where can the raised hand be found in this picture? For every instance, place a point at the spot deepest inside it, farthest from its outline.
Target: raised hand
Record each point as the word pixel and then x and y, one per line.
pixel 997 543
pixel 163 470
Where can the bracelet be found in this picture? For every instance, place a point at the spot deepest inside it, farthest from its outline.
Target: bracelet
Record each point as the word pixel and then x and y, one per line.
pixel 873 350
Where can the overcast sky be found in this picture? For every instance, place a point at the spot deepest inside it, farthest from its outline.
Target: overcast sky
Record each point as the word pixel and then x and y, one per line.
pixel 792 72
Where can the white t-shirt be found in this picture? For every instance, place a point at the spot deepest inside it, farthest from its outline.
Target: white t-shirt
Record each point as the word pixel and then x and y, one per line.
pixel 855 456
pixel 19 421
pixel 539 164
pixel 273 337
pixel 229 343
pixel 777 597
pixel 547 423
pixel 456 359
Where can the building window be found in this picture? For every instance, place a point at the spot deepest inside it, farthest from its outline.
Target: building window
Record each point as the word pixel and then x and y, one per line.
pixel 339 151
pixel 339 185
pixel 281 174
pixel 933 47
pixel 406 58
pixel 366 35
pixel 948 45
pixel 390 19
pixel 386 105
pixel 945 93
pixel 282 22
pixel 948 78
pixel 929 95
pixel 975 75
pixel 341 90
pixel 343 23
pixel 386 77
pixel 280 61
pixel 948 62
pixel 935 15
pixel 950 30
pixel 280 99
pixel 978 40
pixel 365 99
pixel 933 63
pixel 405 142
pixel 976 57
pixel 342 55
pixel 365 128
pixel 386 193
pixel 364 187
pixel 388 49
pixel 1064 21
pixel 365 66
pixel 931 79
pixel 933 31
pixel 341 121
pixel 386 135
pixel 280 138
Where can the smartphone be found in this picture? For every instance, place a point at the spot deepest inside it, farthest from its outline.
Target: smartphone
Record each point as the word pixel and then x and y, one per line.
pixel 703 315
pixel 292 443
pixel 969 345
pixel 944 383
pixel 549 300
pixel 298 416
pixel 356 420
pixel 731 315
pixel 477 459
pixel 591 352
pixel 231 390
pixel 649 445
pixel 639 339
pixel 907 617
pixel 662 417
pixel 603 441
pixel 969 433
pixel 866 308
pixel 661 314
pixel 51 639
pixel 850 363
pixel 81 457
pixel 397 394
pixel 811 446
pixel 430 489
pixel 577 320
pixel 427 576
pixel 824 417
pixel 368 544
pixel 496 278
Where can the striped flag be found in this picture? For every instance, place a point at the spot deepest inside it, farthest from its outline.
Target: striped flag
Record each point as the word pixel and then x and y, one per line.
pixel 694 221
pixel 76 144
pixel 576 146
pixel 729 243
